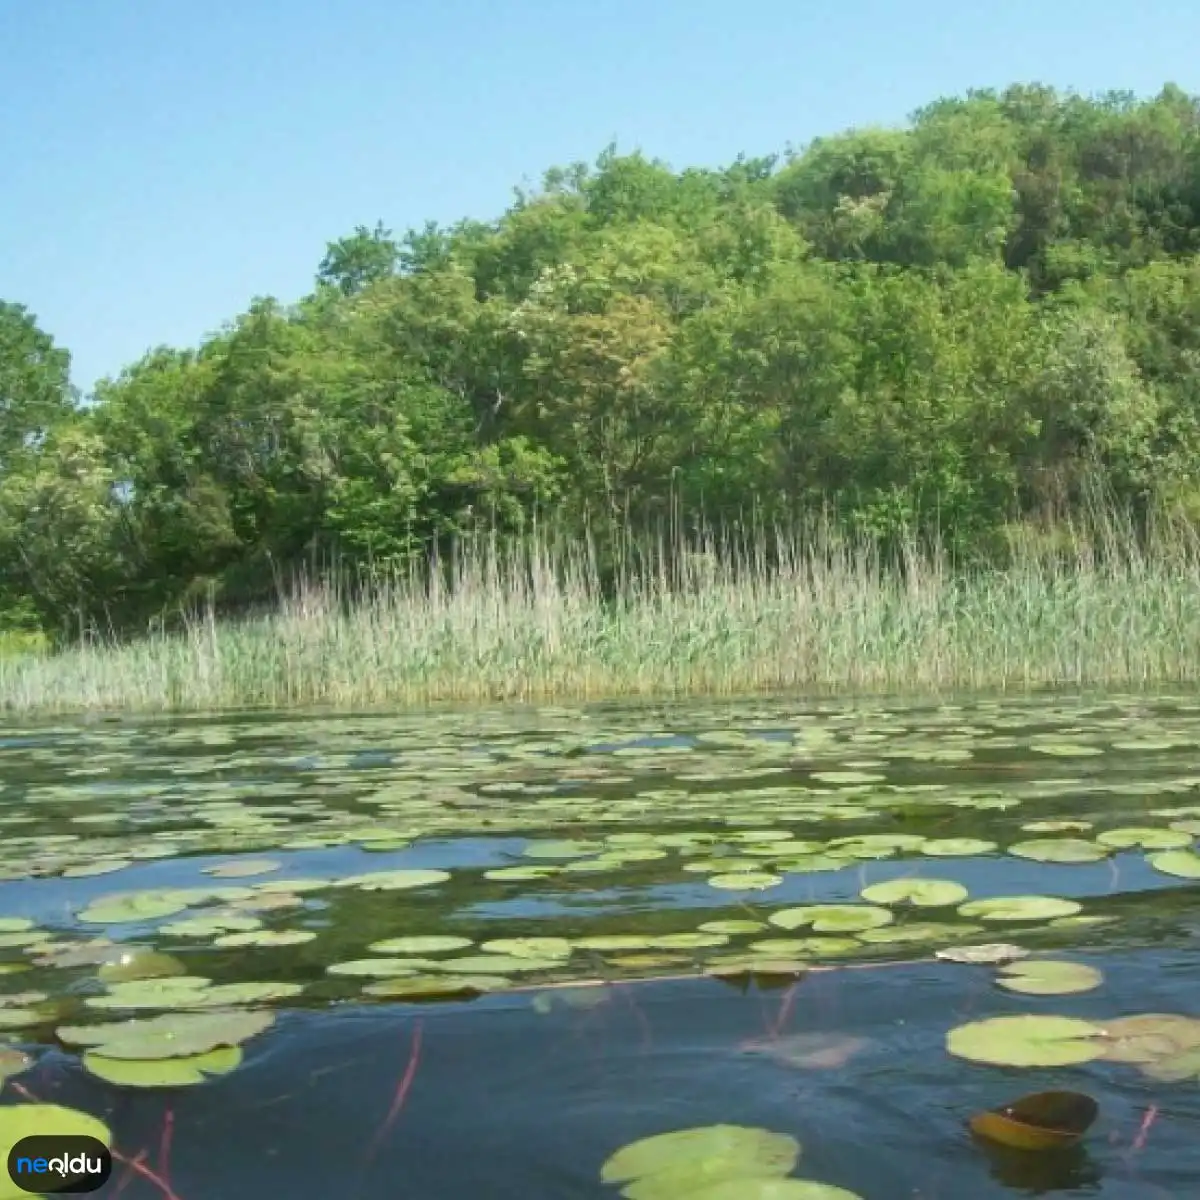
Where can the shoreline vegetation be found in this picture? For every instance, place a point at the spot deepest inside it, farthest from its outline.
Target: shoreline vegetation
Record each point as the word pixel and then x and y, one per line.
pixel 1075 607
pixel 960 340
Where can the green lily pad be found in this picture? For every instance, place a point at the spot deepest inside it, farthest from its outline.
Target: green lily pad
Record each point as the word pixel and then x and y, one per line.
pixel 686 1161
pixel 173 1035
pixel 957 847
pixel 832 918
pixel 1044 977
pixel 378 967
pixel 1027 1041
pixel 757 1188
pixel 924 893
pixel 1184 864
pixel 520 874
pixel 420 944
pixel 211 926
pixel 530 947
pixel 265 937
pixel 134 906
pixel 20 1121
pixel 138 962
pixel 240 868
pixel 435 987
pixel 562 850
pixel 15 924
pixel 164 1072
pixel 1059 850
pixel 917 931
pixel 1019 908
pixel 749 881
pixel 1145 838
pixel 732 927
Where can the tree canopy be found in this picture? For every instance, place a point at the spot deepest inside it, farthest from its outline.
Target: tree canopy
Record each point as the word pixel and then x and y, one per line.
pixel 953 325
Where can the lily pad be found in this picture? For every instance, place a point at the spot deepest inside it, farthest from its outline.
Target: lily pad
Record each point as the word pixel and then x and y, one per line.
pixel 1019 908
pixel 240 868
pixel 134 906
pixel 1027 1041
pixel 1059 850
pixel 986 954
pixel 420 944
pixel 265 937
pixel 686 1161
pixel 1045 977
pixel 925 893
pixel 1145 838
pixel 164 1072
pixel 957 847
pixel 748 881
pixel 832 918
pixel 530 947
pixel 173 1035
pixel 1184 864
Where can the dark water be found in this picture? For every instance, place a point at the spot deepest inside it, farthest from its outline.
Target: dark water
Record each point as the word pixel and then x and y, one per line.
pixel 525 1092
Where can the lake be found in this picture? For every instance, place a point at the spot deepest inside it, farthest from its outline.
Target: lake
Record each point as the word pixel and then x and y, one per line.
pixel 456 954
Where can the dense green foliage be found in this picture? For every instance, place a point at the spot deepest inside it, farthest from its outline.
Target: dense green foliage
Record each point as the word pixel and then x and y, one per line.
pixel 951 327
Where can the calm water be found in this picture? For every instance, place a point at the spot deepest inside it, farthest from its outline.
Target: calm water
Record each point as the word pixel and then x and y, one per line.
pixel 278 850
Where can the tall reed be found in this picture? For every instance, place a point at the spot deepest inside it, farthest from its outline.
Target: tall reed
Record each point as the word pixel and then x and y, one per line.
pixel 703 616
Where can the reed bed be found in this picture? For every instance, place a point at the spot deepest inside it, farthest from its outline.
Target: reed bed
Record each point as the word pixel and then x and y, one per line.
pixel 819 615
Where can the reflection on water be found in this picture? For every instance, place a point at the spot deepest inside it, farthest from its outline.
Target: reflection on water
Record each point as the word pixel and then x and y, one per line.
pixel 643 842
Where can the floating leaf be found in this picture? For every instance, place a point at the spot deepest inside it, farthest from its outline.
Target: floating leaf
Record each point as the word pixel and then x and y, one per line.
pixel 134 906
pixel 530 947
pixel 420 944
pixel 265 937
pixel 1184 864
pixel 240 868
pixel 956 847
pixel 432 987
pixel 1027 1041
pixel 1059 850
pixel 164 1072
pixel 688 1160
pixel 831 918
pixel 1019 908
pixel 1045 977
pixel 749 881
pixel 173 1035
pixel 987 954
pixel 925 893
pixel 1145 838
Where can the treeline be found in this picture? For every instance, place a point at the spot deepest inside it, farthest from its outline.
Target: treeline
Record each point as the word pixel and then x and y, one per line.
pixel 954 326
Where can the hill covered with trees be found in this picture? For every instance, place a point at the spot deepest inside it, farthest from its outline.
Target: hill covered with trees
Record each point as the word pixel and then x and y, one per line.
pixel 952 327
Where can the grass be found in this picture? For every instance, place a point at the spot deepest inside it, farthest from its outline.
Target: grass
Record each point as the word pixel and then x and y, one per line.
pixel 822 616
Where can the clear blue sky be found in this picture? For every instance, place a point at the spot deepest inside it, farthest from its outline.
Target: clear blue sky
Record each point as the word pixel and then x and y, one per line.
pixel 166 160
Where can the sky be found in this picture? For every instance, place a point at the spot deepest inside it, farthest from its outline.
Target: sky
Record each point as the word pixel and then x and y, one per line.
pixel 165 161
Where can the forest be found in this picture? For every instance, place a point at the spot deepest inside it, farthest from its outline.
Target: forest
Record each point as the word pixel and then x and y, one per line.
pixel 971 325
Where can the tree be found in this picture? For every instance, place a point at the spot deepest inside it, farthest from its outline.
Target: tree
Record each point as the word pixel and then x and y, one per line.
pixel 366 256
